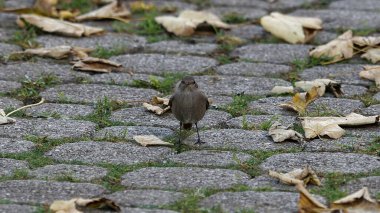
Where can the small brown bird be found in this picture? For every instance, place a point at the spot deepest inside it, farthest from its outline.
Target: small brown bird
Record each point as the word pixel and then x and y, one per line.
pixel 188 105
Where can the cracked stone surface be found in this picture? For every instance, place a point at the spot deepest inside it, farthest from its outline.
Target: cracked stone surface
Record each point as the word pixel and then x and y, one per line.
pixel 8 86
pixel 345 163
pixel 108 152
pixel 258 201
pixel 273 53
pixel 253 69
pixel 77 172
pixel 181 48
pixel 159 64
pixel 140 116
pixel 128 132
pixel 91 93
pixel 145 198
pixel 9 145
pixel 50 128
pixel 9 103
pixel 183 178
pixel 45 192
pixel 48 110
pixel 9 166
pixel 210 158
pixel 238 139
pixel 7 49
pixel 372 183
pixel 14 208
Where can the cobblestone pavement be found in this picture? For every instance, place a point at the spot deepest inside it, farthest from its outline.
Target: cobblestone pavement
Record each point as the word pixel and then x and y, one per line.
pixel 73 145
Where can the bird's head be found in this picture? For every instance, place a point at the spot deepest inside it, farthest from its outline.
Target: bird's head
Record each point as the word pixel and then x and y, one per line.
pixel 188 83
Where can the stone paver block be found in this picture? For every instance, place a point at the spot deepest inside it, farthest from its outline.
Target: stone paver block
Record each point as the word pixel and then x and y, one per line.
pixel 178 5
pixel 276 202
pixel 256 121
pixel 249 32
pixel 352 90
pixel 9 166
pixel 371 110
pixel 107 152
pixel 340 106
pixel 271 106
pixel 253 69
pixel 269 183
pixel 355 5
pixel 18 3
pixel 128 132
pixel 232 85
pixel 276 5
pixel 7 20
pixel 8 86
pixel 6 34
pixel 6 102
pixel 219 101
pixel 17 71
pixel 7 49
pixel 238 139
pixel 181 48
pixel 324 37
pixel 344 144
pixel 140 116
pixel 177 178
pixel 78 172
pixel 344 73
pixel 50 128
pixel 14 208
pixel 368 131
pixel 345 163
pixel 245 12
pixel 160 64
pixel 91 93
pixel 372 183
pixel 45 192
pixel 344 19
pixel 210 158
pixel 8 145
pixel 121 78
pixel 145 198
pixel 139 210
pixel 109 41
pixel 273 53
pixel 60 110
pixel 377 96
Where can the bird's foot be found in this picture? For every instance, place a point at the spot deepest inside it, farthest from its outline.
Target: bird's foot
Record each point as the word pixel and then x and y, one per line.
pixel 199 142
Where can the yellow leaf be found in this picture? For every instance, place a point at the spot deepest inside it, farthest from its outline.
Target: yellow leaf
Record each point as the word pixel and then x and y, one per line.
pixel 158 100
pixel 301 101
pixel 307 203
pixel 140 6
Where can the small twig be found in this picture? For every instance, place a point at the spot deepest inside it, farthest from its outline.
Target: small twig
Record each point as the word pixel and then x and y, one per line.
pixel 27 106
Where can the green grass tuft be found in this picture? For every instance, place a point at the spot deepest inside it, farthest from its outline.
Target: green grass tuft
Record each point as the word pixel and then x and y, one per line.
pixel 25 37
pixel 239 105
pixel 102 52
pixel 234 18
pixel 83 6
pixel 164 86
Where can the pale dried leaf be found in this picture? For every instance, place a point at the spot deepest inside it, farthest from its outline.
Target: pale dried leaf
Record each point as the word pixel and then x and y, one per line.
pixel 371 73
pixel 322 85
pixel 114 10
pixel 150 140
pixel 308 204
pixel 282 90
pixel 366 41
pixel 372 55
pixel 60 27
pixel 4 119
pixel 92 64
pixel 296 176
pixel 69 206
pixel 58 52
pixel 47 7
pixel 300 101
pixel 280 133
pixel 159 100
pixel 187 21
pixel 64 206
pixel 330 126
pixel 337 49
pixel 291 28
pixel 358 202
pixel 285 178
pixel 156 109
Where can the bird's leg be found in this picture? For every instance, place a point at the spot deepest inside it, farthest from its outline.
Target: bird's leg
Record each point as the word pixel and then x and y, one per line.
pixel 199 139
pixel 178 144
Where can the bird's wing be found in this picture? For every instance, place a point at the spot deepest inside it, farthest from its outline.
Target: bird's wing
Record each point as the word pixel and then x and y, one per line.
pixel 171 100
pixel 207 103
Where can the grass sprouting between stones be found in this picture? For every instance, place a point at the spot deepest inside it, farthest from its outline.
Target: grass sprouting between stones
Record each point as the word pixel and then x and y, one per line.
pixel 102 52
pixel 83 6
pixel 234 18
pixel 299 65
pixel 25 37
pixel 164 86
pixel 239 105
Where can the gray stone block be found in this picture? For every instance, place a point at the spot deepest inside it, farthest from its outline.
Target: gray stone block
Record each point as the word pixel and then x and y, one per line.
pixel 48 110
pixel 371 110
pixel 249 32
pixel 181 48
pixel 8 145
pixel 8 86
pixel 372 183
pixel 128 132
pixel 7 49
pixel 9 166
pixel 6 102
pixel 14 208
pixel 253 69
pixel 255 121
pixel 355 5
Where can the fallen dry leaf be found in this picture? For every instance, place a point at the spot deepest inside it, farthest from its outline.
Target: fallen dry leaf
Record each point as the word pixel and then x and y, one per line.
pixel 322 85
pixel 371 73
pixel 366 41
pixel 150 140
pixel 282 90
pixel 280 133
pixel 159 100
pixel 114 10
pixel 330 126
pixel 5 119
pixel 372 55
pixel 188 20
pixel 337 49
pixel 70 206
pixel 91 64
pixel 292 29
pixel 58 26
pixel 297 176
pixel 140 6
pixel 156 109
pixel 358 202
pixel 300 101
